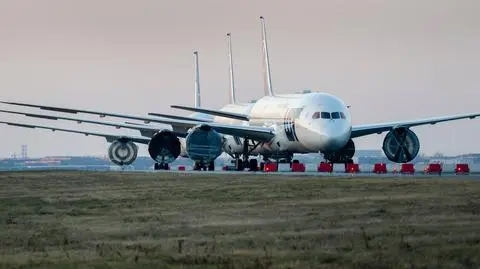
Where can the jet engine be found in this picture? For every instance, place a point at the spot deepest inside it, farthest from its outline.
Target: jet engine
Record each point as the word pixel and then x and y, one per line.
pixel 122 152
pixel 164 147
pixel 401 145
pixel 203 144
pixel 342 156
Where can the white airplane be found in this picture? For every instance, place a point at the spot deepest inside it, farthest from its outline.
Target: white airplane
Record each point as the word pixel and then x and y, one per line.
pixel 124 152
pixel 273 126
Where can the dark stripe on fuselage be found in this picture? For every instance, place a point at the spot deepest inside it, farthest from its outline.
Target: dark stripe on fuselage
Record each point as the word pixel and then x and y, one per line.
pixel 289 126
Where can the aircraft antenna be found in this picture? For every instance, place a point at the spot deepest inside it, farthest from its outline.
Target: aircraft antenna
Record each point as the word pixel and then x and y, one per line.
pixel 197 80
pixel 230 60
pixel 266 64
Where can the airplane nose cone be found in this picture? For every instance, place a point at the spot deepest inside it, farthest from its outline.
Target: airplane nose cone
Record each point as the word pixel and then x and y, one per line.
pixel 334 139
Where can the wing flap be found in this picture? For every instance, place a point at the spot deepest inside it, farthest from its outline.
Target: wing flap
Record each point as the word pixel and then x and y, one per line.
pixel 367 129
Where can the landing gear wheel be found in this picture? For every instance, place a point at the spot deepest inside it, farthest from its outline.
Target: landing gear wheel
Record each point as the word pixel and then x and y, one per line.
pixel 211 166
pixel 239 165
pixel 253 165
pixel 160 166
pixel 197 167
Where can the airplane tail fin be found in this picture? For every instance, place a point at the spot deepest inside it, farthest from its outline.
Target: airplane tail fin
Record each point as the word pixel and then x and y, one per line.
pixel 230 60
pixel 266 63
pixel 197 80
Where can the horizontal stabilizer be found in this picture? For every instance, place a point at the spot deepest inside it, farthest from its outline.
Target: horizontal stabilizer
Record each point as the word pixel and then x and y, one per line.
pixel 231 115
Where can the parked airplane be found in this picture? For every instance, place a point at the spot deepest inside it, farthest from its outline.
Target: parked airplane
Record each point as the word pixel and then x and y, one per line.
pixel 124 153
pixel 273 126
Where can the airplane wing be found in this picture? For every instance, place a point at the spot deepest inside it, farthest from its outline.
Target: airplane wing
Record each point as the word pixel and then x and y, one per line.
pixel 377 128
pixel 263 134
pixel 219 113
pixel 144 129
pixel 109 137
pixel 178 125
pixel 177 117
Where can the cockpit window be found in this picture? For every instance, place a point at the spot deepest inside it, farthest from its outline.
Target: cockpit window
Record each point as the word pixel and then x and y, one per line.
pixel 316 115
pixel 342 115
pixel 325 115
pixel 335 115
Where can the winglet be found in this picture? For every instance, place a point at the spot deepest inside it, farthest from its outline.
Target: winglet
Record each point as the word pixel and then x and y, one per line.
pixel 232 82
pixel 266 64
pixel 197 80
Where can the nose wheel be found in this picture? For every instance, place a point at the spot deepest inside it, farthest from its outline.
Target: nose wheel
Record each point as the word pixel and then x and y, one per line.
pixel 201 166
pixel 161 166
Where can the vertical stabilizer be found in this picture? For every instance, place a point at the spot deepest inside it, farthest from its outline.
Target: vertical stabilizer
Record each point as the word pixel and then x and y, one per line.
pixel 197 80
pixel 266 63
pixel 230 61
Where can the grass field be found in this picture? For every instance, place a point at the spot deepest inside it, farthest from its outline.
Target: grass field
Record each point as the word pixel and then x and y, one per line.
pixel 169 220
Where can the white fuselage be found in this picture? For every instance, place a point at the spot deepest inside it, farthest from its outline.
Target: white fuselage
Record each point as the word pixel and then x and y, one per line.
pixel 298 123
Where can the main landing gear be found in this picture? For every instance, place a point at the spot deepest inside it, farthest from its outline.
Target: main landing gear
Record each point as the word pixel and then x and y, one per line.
pixel 161 166
pixel 201 166
pixel 244 162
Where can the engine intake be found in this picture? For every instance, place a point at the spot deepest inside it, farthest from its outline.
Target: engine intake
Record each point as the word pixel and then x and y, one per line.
pixel 203 144
pixel 401 145
pixel 164 147
pixel 122 152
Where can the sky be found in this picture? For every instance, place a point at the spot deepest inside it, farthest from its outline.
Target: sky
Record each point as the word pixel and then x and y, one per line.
pixel 389 60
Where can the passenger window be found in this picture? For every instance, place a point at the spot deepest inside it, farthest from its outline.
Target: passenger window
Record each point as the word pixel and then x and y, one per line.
pixel 342 115
pixel 335 115
pixel 325 115
pixel 316 115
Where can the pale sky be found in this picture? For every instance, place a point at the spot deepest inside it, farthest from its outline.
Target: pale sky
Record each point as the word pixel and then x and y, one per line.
pixel 389 60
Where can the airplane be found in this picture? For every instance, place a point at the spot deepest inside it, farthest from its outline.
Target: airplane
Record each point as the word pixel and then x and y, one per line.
pixel 123 152
pixel 276 125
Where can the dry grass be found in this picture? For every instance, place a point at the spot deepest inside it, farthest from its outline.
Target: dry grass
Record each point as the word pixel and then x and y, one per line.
pixel 167 220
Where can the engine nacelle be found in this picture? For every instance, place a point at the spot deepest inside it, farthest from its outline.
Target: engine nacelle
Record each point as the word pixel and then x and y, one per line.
pixel 122 152
pixel 164 147
pixel 342 156
pixel 401 145
pixel 203 144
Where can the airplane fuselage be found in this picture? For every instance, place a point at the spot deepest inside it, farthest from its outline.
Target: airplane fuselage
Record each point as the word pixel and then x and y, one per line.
pixel 303 123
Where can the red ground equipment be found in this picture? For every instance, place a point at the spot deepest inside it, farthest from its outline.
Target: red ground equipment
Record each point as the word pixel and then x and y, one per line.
pixel 270 167
pixel 380 168
pixel 181 168
pixel 407 168
pixel 352 168
pixel 298 167
pixel 325 167
pixel 433 168
pixel 462 168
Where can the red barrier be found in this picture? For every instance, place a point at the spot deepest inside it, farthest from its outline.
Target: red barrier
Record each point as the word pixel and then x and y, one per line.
pixel 181 168
pixel 462 168
pixel 325 168
pixel 298 167
pixel 270 167
pixel 380 168
pixel 407 168
pixel 433 168
pixel 352 168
